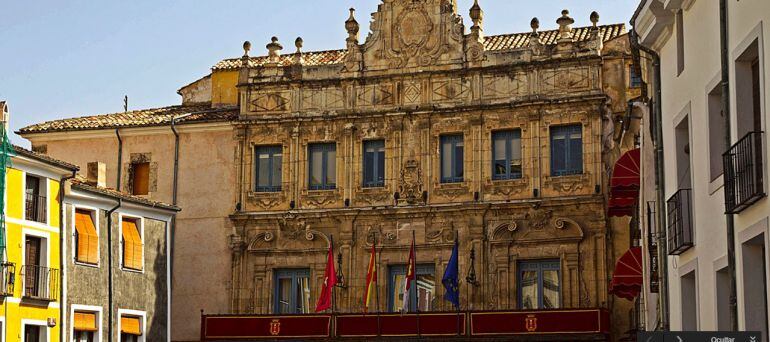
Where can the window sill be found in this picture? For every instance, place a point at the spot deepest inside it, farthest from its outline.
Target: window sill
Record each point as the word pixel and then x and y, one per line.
pixel 131 270
pixel 85 264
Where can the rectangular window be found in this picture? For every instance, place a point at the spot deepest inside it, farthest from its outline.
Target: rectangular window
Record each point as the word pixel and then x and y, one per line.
pixel 422 292
pixel 506 152
pixel 131 329
pixel 635 80
pixel 539 284
pixel 748 91
pixel 322 166
pixel 35 206
pixel 86 237
pixel 374 163
pixel 566 150
pixel 84 326
pixel 716 132
pixel 35 333
pixel 679 42
pixel 452 158
pixel 292 291
pixel 267 175
pixel 140 179
pixel 132 244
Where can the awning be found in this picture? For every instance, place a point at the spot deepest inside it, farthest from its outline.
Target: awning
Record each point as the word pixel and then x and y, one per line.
pixel 624 185
pixel 130 325
pixel 626 170
pixel 627 278
pixel 84 321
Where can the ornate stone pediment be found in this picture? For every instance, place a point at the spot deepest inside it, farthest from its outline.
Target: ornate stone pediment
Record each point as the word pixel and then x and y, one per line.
pixel 540 227
pixel 414 33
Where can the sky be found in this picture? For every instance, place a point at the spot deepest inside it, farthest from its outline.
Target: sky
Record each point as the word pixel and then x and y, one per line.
pixel 62 59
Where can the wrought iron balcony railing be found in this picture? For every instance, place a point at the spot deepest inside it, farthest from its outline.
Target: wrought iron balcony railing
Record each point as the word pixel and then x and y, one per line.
pixel 36 208
pixel 680 227
pixel 7 278
pixel 41 283
pixel 744 183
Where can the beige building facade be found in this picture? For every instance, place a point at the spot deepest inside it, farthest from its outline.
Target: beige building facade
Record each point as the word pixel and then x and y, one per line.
pixel 425 129
pixel 705 177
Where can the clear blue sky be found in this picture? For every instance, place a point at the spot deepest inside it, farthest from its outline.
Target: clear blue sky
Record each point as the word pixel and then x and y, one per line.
pixel 61 59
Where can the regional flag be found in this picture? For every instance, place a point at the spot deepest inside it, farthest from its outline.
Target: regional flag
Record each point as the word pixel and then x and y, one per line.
pixel 371 279
pixel 450 279
pixel 410 277
pixel 330 280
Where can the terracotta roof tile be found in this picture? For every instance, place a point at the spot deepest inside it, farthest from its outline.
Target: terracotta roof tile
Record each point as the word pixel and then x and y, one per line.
pixel 80 183
pixel 491 43
pixel 44 158
pixel 137 118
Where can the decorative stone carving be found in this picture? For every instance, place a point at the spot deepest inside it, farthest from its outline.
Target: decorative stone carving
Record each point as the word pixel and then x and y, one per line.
pixel 569 184
pixel 416 33
pixel 445 234
pixel 265 200
pixel 377 233
pixel 321 198
pixel 538 218
pixel 260 239
pixel 270 102
pixel 565 79
pixel 508 187
pixel 410 187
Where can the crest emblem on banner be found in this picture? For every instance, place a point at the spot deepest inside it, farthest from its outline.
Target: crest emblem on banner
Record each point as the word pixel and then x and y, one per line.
pixel 275 327
pixel 530 322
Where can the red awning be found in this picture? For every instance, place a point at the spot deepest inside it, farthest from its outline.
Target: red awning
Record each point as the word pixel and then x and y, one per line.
pixel 626 170
pixel 627 279
pixel 624 185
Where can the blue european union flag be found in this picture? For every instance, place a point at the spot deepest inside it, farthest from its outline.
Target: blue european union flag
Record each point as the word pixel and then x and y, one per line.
pixel 450 279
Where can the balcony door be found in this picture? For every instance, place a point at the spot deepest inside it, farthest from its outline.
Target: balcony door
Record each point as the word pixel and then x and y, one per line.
pixel 32 261
pixel 34 205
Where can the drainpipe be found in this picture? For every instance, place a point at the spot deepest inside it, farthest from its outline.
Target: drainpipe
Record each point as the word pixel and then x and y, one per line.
pixel 109 268
pixel 62 257
pixel 723 42
pixel 120 157
pixel 174 192
pixel 660 181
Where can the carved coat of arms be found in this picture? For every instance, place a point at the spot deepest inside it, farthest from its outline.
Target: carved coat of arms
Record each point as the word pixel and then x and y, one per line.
pixel 530 322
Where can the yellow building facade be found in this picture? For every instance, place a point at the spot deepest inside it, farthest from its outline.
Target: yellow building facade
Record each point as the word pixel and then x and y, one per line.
pixel 31 269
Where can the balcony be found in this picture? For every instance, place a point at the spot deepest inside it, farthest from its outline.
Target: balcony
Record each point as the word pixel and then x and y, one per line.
pixel 680 233
pixel 7 279
pixel 40 283
pixel 744 183
pixel 35 208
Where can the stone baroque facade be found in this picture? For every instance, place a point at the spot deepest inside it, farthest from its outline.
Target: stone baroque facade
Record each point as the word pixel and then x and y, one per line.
pixel 418 76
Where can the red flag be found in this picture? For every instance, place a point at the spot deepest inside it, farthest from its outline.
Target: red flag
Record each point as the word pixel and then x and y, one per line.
pixel 410 276
pixel 371 279
pixel 330 280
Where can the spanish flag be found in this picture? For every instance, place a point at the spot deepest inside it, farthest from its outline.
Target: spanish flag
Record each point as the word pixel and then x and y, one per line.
pixel 371 279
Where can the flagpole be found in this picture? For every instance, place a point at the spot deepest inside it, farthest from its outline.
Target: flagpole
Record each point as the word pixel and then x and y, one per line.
pixel 457 243
pixel 417 293
pixel 377 282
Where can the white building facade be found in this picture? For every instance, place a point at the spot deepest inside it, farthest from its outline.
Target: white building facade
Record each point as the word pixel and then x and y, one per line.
pixel 705 180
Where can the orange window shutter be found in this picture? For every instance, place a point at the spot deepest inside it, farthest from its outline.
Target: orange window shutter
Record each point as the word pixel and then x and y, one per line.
pixel 130 325
pixel 87 238
pixel 84 321
pixel 132 245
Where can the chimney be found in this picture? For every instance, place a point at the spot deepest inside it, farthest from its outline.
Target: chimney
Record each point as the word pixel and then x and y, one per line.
pixel 97 174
